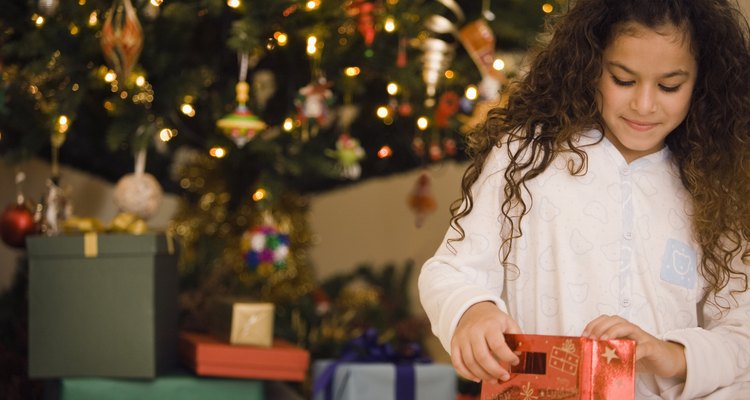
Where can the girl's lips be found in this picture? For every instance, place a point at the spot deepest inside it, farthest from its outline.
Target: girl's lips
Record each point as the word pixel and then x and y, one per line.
pixel 639 126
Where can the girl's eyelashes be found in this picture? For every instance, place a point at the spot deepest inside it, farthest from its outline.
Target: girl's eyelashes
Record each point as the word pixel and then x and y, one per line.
pixel 669 89
pixel 663 88
pixel 620 82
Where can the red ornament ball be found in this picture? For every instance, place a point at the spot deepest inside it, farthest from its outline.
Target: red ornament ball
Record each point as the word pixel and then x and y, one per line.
pixel 16 222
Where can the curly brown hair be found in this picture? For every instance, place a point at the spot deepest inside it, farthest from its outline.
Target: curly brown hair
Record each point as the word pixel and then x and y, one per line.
pixel 556 100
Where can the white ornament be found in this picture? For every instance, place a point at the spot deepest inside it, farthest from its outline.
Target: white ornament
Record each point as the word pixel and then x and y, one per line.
pixel 138 194
pixel 48 7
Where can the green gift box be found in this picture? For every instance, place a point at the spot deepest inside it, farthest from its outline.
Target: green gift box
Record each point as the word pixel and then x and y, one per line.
pixel 102 305
pixel 173 386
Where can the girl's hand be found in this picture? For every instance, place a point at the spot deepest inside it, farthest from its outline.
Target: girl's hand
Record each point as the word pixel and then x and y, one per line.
pixel 478 345
pixel 658 357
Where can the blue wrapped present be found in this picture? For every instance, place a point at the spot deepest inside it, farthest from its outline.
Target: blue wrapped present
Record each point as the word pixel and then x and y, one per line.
pixel 377 381
pixel 367 370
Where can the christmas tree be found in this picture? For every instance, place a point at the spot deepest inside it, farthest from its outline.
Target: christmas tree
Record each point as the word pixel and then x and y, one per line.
pixel 245 107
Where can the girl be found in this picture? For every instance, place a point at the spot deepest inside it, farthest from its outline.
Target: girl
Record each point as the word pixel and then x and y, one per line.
pixel 610 198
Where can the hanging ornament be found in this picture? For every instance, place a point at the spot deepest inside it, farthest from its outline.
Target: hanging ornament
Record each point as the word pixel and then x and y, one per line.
pixel 122 38
pixel 313 103
pixel 265 248
pixel 405 109
pixel 449 147
pixel 55 209
pixel 364 11
pixel 345 115
pixel 486 11
pixel 401 56
pixel 348 153
pixel 436 58
pixel 479 41
pixel 322 301
pixel 447 107
pixel 242 125
pixel 138 193
pixel 437 52
pixel 264 87
pixel 48 7
pixel 417 146
pixel 56 206
pixel 436 153
pixel 17 220
pixel 421 200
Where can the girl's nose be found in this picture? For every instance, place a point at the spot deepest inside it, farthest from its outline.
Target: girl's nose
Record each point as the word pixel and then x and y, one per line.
pixel 644 100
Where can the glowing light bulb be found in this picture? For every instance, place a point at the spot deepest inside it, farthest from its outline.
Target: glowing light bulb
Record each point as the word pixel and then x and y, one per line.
pixel 351 71
pixel 382 112
pixel 312 45
pixel 498 64
pixel 217 152
pixel 259 194
pixel 392 88
pixel 422 123
pixel 548 8
pixel 385 151
pixel 188 110
pixel 390 24
pixel 166 134
pixel 233 3
pixel 93 18
pixel 471 92
pixel 288 124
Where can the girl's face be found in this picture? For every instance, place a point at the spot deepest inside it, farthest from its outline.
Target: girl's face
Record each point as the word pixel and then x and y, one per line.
pixel 645 87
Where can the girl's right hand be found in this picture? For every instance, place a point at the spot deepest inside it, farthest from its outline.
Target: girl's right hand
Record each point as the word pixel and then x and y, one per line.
pixel 478 345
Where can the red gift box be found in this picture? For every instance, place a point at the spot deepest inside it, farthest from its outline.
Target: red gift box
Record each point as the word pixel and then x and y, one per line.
pixel 566 367
pixel 208 356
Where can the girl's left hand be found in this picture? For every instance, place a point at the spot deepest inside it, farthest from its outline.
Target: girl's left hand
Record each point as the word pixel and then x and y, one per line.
pixel 658 357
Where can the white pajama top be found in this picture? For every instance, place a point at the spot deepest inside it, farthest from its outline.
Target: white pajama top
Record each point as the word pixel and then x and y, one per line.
pixel 616 240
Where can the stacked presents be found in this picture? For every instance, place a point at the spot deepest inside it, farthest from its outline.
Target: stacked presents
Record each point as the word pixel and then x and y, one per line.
pixel 368 369
pixel 241 345
pixel 103 324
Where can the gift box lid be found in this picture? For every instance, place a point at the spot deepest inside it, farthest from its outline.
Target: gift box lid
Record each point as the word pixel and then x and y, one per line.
pixel 93 244
pixel 176 385
pixel 208 355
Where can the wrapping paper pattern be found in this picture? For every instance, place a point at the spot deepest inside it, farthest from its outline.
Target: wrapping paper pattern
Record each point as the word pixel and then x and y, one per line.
pixel 565 367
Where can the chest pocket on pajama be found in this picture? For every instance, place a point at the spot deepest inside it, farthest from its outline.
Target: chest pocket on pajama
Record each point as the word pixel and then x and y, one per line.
pixel 679 264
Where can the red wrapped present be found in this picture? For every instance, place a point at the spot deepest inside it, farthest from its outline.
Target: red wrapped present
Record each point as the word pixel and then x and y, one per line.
pixel 209 356
pixel 566 367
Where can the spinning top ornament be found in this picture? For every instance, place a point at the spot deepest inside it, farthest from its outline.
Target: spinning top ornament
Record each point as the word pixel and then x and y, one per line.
pixel 242 125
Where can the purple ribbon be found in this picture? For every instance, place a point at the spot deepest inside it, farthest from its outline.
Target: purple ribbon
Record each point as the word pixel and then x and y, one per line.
pixel 366 349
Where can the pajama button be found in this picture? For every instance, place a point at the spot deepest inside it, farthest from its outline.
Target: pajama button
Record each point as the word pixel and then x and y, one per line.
pixel 628 235
pixel 625 303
